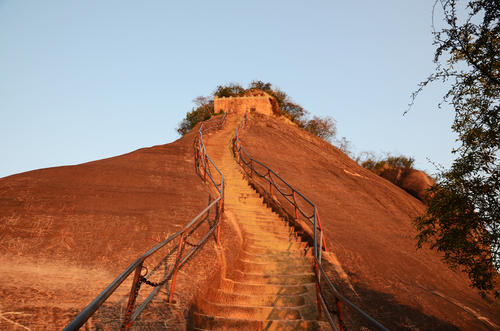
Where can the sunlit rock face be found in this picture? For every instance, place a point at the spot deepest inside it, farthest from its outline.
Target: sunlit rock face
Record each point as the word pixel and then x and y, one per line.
pixel 254 101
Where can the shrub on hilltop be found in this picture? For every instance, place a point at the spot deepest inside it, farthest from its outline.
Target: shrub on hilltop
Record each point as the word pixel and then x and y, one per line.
pixel 203 111
pixel 323 127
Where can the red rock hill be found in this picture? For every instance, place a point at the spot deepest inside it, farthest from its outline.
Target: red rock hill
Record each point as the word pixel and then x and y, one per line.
pixel 66 232
pixel 368 224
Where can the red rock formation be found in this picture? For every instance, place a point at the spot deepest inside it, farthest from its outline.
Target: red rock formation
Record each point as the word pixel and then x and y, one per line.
pixel 67 232
pixel 368 224
pixel 254 100
pixel 416 183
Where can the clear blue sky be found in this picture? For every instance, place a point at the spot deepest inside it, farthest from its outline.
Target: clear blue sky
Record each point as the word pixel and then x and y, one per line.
pixel 84 80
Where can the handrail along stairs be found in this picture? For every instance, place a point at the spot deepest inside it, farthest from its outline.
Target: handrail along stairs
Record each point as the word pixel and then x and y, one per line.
pixel 319 243
pixel 203 165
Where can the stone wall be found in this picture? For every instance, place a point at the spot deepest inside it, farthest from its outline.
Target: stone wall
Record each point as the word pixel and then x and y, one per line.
pixel 239 105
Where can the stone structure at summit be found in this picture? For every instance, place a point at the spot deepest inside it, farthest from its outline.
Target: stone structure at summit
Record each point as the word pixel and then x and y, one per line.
pixel 254 100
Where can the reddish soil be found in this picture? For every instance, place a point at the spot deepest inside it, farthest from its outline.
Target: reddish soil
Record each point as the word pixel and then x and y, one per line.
pixel 66 232
pixel 368 224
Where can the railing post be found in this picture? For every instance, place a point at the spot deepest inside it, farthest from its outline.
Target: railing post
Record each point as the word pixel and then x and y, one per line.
pixel 323 241
pixel 318 299
pixel 270 182
pixel 219 216
pixel 340 314
pixel 315 227
pixel 320 247
pixel 132 297
pixel 295 205
pixel 238 154
pixel 176 268
pixel 205 165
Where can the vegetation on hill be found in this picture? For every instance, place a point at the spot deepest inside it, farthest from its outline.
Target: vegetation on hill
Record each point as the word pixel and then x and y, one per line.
pixel 203 111
pixel 378 166
pixel 323 127
pixel 463 218
pixel 398 170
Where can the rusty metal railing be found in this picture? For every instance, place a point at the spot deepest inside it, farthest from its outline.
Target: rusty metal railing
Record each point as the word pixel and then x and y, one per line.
pixel 301 209
pixel 172 253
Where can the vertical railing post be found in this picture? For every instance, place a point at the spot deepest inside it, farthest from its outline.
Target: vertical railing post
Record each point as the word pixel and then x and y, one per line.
pixel 295 205
pixel 219 215
pixel 205 166
pixel 315 239
pixel 318 299
pixel 270 182
pixel 320 246
pixel 340 313
pixel 132 297
pixel 323 241
pixel 176 268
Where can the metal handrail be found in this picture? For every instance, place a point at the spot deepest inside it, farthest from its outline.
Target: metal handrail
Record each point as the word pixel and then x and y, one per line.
pixel 270 176
pixel 137 266
pixel 347 301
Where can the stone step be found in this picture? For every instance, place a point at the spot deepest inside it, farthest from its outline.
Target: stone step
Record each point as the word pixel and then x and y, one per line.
pixel 249 312
pixel 211 322
pixel 256 231
pixel 240 200
pixel 274 268
pixel 261 228
pixel 272 284
pixel 253 219
pixel 229 285
pixel 274 235
pixel 272 251
pixel 219 296
pixel 265 235
pixel 258 214
pixel 275 243
pixel 239 203
pixel 275 279
pixel 282 256
pixel 269 250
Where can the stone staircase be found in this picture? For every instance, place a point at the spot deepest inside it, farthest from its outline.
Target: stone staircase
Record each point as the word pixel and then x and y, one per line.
pixel 271 286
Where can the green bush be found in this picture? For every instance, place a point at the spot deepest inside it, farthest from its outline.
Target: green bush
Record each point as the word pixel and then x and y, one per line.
pixel 322 127
pixel 390 162
pixel 200 114
pixel 393 168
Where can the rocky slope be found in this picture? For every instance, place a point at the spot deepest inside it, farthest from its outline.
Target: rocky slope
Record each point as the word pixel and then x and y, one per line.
pixel 368 224
pixel 66 232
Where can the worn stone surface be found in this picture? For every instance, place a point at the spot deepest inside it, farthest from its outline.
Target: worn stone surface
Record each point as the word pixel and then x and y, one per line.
pixel 368 225
pixel 271 284
pixel 255 101
pixel 67 232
